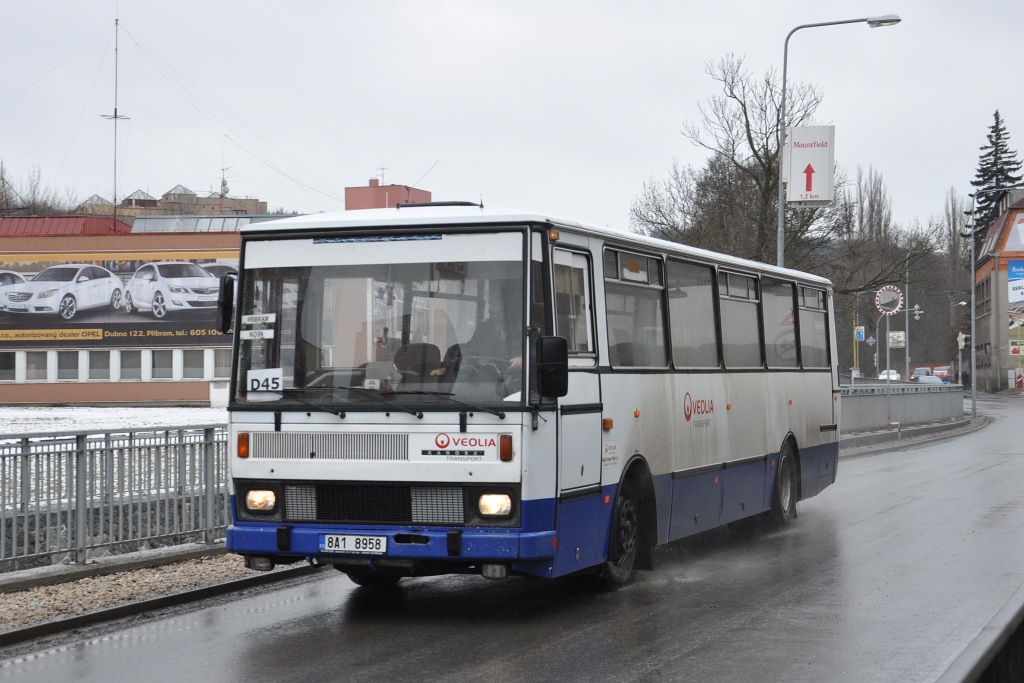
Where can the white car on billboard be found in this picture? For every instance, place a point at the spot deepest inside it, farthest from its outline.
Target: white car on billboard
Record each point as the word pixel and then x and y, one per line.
pixel 65 290
pixel 167 286
pixel 219 269
pixel 8 280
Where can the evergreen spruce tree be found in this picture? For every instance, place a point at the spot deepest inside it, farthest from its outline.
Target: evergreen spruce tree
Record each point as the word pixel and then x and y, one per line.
pixel 997 167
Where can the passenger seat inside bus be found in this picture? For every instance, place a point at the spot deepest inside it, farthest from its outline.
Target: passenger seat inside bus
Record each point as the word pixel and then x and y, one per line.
pixel 417 359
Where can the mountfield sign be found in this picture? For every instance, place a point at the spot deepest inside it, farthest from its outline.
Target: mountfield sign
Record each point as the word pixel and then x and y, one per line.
pixel 811 165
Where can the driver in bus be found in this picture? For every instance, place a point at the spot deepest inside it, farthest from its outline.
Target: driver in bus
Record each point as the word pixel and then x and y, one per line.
pixel 494 338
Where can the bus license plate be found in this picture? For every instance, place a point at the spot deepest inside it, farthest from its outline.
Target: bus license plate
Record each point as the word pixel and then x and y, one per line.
pixel 343 543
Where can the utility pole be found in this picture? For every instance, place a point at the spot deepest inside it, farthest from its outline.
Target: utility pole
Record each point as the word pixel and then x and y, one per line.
pixel 115 117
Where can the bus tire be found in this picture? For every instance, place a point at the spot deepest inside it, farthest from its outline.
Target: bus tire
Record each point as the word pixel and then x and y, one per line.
pixel 784 497
pixel 369 577
pixel 618 569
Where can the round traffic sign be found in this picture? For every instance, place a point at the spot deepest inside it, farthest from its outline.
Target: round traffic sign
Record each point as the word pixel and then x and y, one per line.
pixel 889 300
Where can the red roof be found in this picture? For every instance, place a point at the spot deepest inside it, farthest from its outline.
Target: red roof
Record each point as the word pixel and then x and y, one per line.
pixel 59 226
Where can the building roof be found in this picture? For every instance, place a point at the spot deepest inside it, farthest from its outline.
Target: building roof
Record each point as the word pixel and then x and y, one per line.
pixel 58 226
pixel 226 223
pixel 139 194
pixel 96 200
pixel 179 189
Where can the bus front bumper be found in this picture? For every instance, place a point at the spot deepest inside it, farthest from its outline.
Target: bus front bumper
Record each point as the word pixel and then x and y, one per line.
pixel 472 544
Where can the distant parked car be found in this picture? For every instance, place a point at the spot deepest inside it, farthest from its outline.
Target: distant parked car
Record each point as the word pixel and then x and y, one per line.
pixel 943 371
pixel 8 278
pixel 930 379
pixel 917 373
pixel 170 286
pixel 889 375
pixel 219 270
pixel 65 290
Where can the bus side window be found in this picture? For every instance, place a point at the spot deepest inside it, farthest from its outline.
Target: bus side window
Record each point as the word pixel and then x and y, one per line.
pixel 741 337
pixel 813 328
pixel 573 318
pixel 636 319
pixel 691 307
pixel 779 323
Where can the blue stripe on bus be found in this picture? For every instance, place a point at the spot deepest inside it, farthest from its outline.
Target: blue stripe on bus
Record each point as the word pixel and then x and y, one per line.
pixel 561 538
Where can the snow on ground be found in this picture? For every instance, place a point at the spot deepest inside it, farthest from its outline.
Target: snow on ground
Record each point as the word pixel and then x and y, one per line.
pixel 35 420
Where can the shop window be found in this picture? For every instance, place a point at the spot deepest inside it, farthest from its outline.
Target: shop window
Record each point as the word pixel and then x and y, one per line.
pixel 222 363
pixel 192 363
pixel 163 364
pixel 99 365
pixel 131 365
pixel 67 365
pixel 35 365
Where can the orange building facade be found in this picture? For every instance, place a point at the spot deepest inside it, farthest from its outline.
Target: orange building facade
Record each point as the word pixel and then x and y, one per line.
pixel 999 297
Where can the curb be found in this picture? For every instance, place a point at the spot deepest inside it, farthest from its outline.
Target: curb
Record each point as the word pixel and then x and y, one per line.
pixel 891 438
pixel 131 609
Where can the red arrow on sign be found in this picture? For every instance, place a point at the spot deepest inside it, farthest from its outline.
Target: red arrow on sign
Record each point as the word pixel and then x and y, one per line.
pixel 809 172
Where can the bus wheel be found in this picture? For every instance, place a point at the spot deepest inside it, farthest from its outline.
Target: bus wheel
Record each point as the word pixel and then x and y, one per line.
pixel 784 499
pixel 370 577
pixel 617 571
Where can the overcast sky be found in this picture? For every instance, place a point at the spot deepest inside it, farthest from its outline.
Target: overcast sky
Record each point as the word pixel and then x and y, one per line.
pixel 565 108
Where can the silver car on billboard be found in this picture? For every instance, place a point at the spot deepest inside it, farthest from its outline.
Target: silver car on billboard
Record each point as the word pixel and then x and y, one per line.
pixel 166 286
pixel 65 290
pixel 8 280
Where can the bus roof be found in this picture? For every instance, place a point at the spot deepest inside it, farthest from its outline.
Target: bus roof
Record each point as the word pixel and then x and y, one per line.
pixel 453 215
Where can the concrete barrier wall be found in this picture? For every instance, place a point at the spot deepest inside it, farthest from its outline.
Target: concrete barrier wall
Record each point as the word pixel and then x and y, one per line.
pixel 873 406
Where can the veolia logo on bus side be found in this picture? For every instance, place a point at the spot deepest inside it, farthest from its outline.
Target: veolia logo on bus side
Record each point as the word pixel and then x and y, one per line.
pixel 889 300
pixel 700 406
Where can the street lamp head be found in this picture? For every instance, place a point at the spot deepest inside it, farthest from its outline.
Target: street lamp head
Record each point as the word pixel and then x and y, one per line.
pixel 883 20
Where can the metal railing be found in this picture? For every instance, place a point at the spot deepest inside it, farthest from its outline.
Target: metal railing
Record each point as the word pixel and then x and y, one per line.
pixel 71 496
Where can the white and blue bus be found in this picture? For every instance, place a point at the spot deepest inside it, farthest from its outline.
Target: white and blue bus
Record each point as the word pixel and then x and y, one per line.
pixel 448 388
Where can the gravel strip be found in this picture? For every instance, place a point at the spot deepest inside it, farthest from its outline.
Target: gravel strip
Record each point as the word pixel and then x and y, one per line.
pixel 47 603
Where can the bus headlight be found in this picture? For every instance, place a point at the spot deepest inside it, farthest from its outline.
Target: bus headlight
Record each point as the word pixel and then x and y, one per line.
pixel 260 500
pixel 495 505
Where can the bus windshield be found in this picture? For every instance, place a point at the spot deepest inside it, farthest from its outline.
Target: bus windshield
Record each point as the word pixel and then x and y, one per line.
pixel 370 323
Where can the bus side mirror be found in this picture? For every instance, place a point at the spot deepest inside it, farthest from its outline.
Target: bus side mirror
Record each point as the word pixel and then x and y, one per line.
pixel 226 302
pixel 553 366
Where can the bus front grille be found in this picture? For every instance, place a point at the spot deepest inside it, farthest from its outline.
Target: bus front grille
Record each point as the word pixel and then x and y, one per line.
pixel 321 446
pixel 374 503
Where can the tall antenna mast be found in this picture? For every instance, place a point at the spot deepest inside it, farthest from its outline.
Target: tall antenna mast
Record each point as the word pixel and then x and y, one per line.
pixel 115 117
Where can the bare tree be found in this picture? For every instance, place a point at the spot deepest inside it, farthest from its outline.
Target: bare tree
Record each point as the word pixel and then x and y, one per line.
pixel 32 198
pixel 740 126
pixel 874 207
pixel 731 203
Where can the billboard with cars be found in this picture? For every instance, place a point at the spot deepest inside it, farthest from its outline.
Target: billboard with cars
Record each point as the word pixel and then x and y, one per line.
pixel 111 303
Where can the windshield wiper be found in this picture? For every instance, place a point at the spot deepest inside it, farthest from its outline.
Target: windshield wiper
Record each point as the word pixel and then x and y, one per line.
pixel 448 396
pixel 289 393
pixel 369 394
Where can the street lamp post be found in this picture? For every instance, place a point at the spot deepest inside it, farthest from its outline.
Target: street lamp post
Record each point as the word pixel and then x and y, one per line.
pixel 974 302
pixel 873 22
pixel 856 316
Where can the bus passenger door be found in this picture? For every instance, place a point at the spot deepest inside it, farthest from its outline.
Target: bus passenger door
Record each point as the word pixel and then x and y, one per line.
pixel 580 434
pixel 579 448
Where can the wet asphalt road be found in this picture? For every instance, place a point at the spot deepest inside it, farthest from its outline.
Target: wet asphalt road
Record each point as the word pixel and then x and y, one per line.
pixel 886 576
